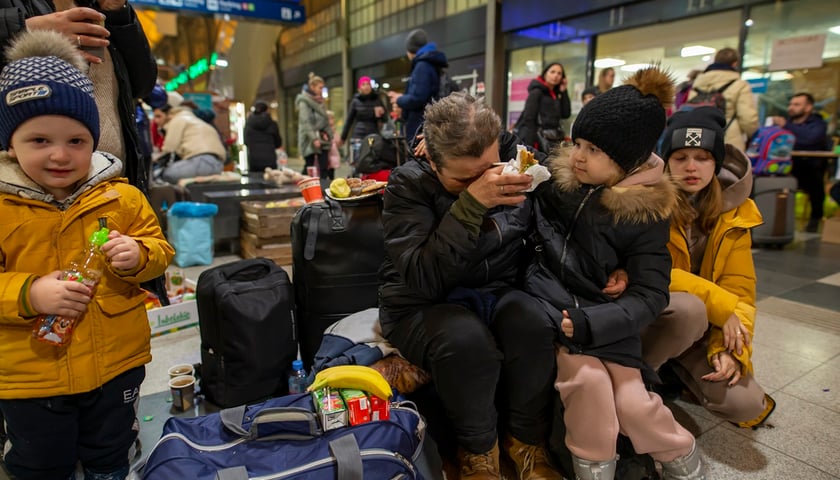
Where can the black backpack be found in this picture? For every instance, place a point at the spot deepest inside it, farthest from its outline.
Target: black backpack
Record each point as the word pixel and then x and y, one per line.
pixel 380 153
pixel 446 85
pixel 709 98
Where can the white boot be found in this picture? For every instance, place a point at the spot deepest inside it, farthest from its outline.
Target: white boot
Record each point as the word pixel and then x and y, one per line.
pixel 586 470
pixel 689 467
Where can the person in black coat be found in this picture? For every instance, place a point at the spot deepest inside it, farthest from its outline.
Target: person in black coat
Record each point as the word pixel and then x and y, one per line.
pixel 453 248
pixel 262 137
pixel 548 104
pixel 364 117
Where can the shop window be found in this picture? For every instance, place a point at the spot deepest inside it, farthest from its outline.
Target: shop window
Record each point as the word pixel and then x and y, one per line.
pixel 777 70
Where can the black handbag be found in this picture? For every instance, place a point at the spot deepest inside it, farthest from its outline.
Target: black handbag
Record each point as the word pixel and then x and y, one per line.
pixel 552 134
pixel 248 341
pixel 337 249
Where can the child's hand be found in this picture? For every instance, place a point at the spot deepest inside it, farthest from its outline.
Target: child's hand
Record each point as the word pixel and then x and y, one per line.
pixel 50 295
pixel 726 366
pixel 122 251
pixel 735 335
pixel 566 325
pixel 616 284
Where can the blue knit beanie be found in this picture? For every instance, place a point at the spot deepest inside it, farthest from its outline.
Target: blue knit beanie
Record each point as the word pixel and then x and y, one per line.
pixel 44 77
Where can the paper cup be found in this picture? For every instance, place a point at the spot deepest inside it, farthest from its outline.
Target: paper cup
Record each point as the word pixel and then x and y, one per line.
pixel 312 171
pixel 181 369
pixel 311 190
pixel 183 392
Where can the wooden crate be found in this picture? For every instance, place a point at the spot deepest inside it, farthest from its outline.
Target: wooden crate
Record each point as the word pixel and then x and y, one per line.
pixel 277 249
pixel 269 219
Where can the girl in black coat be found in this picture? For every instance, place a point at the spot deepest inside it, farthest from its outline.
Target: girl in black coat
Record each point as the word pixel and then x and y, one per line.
pixel 540 125
pixel 608 207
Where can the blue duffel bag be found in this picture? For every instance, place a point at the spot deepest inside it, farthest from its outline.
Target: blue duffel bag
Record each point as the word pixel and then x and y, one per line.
pixel 282 439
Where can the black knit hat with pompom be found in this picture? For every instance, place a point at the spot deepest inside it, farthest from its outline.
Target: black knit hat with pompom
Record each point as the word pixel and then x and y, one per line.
pixel 626 122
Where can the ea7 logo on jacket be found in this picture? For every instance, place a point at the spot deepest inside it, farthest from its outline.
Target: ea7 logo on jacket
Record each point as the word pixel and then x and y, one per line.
pixel 24 94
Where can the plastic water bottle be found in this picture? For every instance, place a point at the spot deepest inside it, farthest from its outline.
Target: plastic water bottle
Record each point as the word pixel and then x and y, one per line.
pixel 298 378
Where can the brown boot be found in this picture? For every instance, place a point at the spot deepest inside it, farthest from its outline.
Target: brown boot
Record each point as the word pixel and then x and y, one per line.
pixel 531 461
pixel 480 466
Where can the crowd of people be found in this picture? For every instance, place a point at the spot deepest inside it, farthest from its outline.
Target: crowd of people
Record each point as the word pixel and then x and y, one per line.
pixel 631 267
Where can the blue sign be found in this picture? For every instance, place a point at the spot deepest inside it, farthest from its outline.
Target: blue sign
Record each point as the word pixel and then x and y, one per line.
pixel 759 85
pixel 278 11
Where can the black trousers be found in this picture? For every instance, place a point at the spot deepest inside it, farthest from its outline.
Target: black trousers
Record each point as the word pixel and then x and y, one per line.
pixel 469 360
pixel 49 435
pixel 322 161
pixel 810 174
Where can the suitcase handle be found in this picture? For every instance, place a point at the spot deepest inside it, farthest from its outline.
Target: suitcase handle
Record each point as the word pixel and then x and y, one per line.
pixel 234 418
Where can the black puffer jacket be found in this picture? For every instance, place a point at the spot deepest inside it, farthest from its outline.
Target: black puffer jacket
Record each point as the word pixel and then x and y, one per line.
pixel 262 137
pixel 362 114
pixel 544 108
pixel 428 252
pixel 583 234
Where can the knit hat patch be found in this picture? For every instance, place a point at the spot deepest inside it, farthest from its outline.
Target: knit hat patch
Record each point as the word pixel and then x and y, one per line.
pixel 43 84
pixel 698 128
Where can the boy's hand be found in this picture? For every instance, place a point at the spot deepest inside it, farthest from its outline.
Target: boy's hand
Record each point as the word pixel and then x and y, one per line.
pixel 122 251
pixel 566 325
pixel 50 295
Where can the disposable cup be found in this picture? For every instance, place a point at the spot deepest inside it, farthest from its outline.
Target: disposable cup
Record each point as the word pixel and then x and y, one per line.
pixel 311 190
pixel 180 370
pixel 183 392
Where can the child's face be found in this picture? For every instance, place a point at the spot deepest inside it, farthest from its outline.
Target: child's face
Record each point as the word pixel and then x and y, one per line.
pixel 54 151
pixel 692 168
pixel 591 165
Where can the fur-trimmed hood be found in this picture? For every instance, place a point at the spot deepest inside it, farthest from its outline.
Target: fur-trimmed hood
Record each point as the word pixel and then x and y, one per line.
pixel 14 181
pixel 645 195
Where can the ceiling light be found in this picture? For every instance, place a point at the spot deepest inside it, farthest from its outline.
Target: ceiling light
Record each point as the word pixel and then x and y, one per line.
pixel 608 62
pixel 706 58
pixel 634 67
pixel 695 50
pixel 222 63
pixel 835 29
pixel 749 22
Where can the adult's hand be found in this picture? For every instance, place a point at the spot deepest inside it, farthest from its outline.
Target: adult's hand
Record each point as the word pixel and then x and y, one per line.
pixel 735 334
pixel 110 5
pixel 393 96
pixel 492 188
pixel 420 149
pixel 81 25
pixel 726 367
pixel 616 283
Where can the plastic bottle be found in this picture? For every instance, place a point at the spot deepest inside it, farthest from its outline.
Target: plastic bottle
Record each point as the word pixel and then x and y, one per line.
pixel 298 378
pixel 86 268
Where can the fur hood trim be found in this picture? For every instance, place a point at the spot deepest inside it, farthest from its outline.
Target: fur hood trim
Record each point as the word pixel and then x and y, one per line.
pixel 45 43
pixel 646 195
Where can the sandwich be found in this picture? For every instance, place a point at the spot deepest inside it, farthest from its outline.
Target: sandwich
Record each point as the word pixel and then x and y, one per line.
pixel 526 160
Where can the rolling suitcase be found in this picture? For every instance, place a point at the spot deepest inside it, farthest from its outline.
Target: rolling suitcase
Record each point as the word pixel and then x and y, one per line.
pixel 248 341
pixel 337 249
pixel 775 198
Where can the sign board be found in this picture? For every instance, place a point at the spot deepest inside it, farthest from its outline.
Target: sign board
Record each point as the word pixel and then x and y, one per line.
pixel 759 85
pixel 203 100
pixel 797 52
pixel 277 11
pixel 173 317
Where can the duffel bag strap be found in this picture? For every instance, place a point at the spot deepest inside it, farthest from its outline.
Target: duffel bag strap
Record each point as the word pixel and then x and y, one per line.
pixel 348 458
pixel 312 233
pixel 233 418
pixel 233 473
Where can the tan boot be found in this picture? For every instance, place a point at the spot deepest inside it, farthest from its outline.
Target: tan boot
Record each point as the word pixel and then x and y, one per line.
pixel 480 466
pixel 531 461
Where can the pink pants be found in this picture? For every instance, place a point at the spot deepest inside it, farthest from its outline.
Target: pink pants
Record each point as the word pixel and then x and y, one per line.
pixel 603 398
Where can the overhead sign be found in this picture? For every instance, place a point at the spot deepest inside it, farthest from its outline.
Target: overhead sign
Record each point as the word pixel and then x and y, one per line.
pixel 797 52
pixel 278 11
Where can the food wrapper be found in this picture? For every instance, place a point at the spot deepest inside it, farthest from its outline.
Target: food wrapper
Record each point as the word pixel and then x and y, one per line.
pixel 537 172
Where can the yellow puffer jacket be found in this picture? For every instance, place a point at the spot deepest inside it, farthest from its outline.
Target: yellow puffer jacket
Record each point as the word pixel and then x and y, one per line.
pixel 726 282
pixel 113 335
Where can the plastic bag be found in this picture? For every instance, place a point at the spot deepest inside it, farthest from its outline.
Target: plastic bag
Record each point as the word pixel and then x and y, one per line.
pixel 190 232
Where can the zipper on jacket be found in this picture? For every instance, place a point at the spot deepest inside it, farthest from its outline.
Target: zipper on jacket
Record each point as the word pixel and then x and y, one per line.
pixel 564 253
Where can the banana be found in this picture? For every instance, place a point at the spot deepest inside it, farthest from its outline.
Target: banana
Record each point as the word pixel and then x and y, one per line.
pixel 353 376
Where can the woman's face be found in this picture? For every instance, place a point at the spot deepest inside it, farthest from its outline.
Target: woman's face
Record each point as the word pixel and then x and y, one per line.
pixel 692 168
pixel 457 173
pixel 609 77
pixel 553 75
pixel 364 88
pixel 160 117
pixel 317 88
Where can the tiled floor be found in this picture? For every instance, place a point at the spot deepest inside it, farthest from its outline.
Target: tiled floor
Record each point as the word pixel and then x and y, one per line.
pixel 797 360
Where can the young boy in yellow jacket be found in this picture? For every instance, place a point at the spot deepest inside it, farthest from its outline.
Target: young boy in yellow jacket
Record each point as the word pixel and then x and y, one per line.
pixel 77 402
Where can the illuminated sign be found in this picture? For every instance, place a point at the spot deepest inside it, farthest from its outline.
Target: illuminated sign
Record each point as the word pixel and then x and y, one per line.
pixel 194 71
pixel 278 11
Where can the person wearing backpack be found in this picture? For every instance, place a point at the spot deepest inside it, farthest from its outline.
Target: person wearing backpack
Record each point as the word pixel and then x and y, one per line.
pixel 740 108
pixel 548 104
pixel 424 83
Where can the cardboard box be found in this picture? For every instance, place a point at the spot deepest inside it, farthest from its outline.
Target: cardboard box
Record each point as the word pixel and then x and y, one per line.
pixel 268 219
pixel 379 409
pixel 358 406
pixel 330 408
pixel 831 230
pixel 172 318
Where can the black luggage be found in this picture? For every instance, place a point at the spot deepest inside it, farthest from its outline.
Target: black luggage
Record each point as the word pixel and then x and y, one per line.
pixel 381 153
pixel 337 248
pixel 775 198
pixel 248 339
